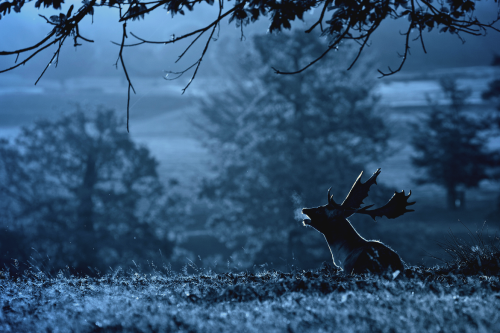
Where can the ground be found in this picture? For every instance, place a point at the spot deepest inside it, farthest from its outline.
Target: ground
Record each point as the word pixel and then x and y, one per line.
pixel 325 300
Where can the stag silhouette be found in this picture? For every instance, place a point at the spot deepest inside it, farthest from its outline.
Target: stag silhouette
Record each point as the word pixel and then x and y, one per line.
pixel 349 250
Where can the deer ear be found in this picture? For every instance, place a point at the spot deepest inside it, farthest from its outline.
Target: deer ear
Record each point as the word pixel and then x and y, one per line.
pixel 331 202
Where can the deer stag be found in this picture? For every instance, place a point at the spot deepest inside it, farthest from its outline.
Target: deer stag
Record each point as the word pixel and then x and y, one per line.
pixel 354 253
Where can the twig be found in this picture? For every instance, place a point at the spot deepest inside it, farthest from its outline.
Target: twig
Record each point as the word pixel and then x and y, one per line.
pixel 126 18
pixel 205 49
pixel 52 59
pixel 173 40
pixel 332 46
pixel 365 41
pixel 407 47
pixel 320 20
pixel 120 57
pixel 31 47
pixel 191 44
pixel 31 56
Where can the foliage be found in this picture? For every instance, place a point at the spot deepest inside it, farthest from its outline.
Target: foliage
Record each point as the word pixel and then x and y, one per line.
pixel 493 92
pixel 420 299
pixel 478 253
pixel 451 145
pixel 80 189
pixel 339 21
pixel 279 143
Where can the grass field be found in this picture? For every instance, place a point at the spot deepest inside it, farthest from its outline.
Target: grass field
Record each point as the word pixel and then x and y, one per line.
pixel 445 299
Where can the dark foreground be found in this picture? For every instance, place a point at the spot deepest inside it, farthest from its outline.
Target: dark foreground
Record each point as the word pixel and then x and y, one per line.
pixel 417 300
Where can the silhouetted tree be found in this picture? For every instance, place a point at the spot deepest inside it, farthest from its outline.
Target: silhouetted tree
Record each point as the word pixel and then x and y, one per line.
pixel 450 147
pixel 83 192
pixel 493 92
pixel 338 20
pixel 288 136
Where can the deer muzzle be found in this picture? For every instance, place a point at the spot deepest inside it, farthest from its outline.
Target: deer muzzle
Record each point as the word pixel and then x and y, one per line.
pixel 306 221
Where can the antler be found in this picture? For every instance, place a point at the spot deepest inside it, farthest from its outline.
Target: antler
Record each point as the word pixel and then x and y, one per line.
pixel 395 207
pixel 359 191
pixel 331 202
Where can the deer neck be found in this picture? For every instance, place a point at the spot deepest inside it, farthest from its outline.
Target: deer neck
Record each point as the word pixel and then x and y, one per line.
pixel 344 241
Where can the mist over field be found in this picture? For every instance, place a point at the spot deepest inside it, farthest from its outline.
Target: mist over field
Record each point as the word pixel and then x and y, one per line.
pixel 192 220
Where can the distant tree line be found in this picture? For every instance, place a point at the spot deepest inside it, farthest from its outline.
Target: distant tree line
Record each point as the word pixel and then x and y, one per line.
pixel 79 191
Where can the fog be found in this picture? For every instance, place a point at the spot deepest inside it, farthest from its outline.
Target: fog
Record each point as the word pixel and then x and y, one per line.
pixel 162 117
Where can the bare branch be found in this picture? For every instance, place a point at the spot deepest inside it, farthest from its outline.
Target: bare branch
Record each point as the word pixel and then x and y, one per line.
pixel 128 105
pixel 120 58
pixel 77 35
pixel 320 20
pixel 187 48
pixel 31 47
pixel 31 56
pixel 52 59
pixel 365 41
pixel 332 46
pixel 407 47
pixel 422 40
pixel 192 33
pixel 179 74
pixel 205 49
pixel 126 18
pixel 68 28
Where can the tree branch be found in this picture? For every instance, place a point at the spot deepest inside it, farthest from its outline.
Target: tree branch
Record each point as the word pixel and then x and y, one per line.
pixel 52 59
pixel 198 63
pixel 332 46
pixel 407 47
pixel 120 58
pixel 365 41
pixel 320 20
pixel 31 47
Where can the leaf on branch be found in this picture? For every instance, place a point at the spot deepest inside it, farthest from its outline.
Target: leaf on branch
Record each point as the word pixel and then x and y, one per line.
pixel 137 11
pixel 6 6
pixel 54 18
pixel 56 4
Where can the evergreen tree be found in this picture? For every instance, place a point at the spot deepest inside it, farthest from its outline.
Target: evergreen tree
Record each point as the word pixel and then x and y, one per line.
pixel 280 138
pixel 493 92
pixel 451 146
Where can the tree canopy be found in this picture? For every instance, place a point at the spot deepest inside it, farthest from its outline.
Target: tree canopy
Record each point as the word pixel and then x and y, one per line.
pixel 276 139
pixel 338 21
pixel 452 145
pixel 83 192
pixel 493 91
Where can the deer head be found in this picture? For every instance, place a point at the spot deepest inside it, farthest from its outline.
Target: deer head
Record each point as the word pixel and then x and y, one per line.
pixel 321 217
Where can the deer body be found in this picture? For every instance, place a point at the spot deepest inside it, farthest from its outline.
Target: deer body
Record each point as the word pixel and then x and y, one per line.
pixel 353 253
pixel 349 250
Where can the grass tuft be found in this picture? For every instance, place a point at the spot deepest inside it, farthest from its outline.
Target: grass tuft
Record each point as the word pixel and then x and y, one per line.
pixel 479 253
